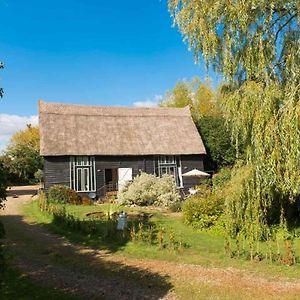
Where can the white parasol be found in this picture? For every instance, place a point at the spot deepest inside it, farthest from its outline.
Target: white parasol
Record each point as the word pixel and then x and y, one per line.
pixel 195 173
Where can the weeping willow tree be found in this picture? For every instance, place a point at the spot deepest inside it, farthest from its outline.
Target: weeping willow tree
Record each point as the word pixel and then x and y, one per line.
pixel 255 45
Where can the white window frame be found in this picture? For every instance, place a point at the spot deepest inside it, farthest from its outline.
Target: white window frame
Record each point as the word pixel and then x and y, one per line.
pixel 168 162
pixel 85 165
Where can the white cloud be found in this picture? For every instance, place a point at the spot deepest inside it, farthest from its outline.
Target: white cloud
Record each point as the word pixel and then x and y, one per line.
pixel 149 102
pixel 10 124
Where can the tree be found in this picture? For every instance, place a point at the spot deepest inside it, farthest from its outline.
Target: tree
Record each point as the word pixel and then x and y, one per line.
pixel 197 95
pixel 3 185
pixel 22 156
pixel 207 115
pixel 217 140
pixel 39 175
pixel 180 96
pixel 3 174
pixel 243 40
pixel 255 45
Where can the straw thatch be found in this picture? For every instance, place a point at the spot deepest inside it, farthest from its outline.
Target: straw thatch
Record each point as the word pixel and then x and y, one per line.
pixel 94 130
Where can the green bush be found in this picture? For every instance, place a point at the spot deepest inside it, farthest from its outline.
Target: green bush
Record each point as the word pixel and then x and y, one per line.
pixel 43 201
pixel 202 210
pixel 221 178
pixel 176 207
pixel 63 194
pixel 39 175
pixel 147 189
pixel 217 140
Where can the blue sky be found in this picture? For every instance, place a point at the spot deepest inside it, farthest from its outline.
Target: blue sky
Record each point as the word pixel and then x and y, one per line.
pixel 88 52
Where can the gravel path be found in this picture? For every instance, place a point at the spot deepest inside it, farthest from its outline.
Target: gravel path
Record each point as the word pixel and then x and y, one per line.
pixel 92 274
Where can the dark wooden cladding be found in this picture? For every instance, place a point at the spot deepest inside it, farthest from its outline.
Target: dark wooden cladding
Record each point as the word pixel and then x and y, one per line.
pixel 188 163
pixel 57 168
pixel 56 171
pixel 137 163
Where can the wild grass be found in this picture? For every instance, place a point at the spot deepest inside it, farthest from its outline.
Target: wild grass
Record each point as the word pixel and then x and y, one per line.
pixel 175 241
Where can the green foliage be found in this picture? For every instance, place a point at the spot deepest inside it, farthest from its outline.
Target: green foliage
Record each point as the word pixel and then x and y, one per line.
pixel 39 175
pixel 105 227
pixel 221 178
pixel 147 189
pixel 255 45
pixel 176 207
pixel 3 184
pixel 63 194
pixel 22 156
pixel 180 96
pixel 209 242
pixel 200 97
pixel 242 39
pixel 203 209
pixel 208 116
pixel 217 140
pixel 43 201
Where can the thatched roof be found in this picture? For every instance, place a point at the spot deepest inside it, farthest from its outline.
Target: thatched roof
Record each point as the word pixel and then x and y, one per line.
pixel 97 130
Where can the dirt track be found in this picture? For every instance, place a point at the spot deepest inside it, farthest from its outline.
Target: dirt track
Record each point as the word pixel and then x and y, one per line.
pixel 52 261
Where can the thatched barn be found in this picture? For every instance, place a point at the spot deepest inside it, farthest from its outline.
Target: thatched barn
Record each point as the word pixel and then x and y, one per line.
pixel 97 149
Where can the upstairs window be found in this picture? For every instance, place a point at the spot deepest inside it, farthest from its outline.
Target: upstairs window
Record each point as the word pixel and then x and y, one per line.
pixel 82 173
pixel 171 165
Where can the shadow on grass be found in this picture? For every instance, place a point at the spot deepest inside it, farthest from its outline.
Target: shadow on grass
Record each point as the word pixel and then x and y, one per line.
pixel 14 285
pixel 79 270
pixel 102 233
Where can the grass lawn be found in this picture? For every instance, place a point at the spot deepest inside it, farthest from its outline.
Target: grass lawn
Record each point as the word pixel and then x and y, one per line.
pixel 201 247
pixel 15 286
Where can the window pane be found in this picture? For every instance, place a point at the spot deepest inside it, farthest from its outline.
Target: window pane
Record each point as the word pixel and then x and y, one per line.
pixel 172 171
pixel 82 173
pixel 79 185
pixel 85 180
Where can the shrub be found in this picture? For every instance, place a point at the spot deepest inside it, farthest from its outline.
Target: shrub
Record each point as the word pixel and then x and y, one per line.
pixel 202 210
pixel 166 191
pixel 39 175
pixel 147 189
pixel 221 178
pixel 63 194
pixel 42 201
pixel 176 207
pixel 86 201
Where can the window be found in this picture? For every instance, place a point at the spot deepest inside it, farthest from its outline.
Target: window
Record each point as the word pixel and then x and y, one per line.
pixel 171 165
pixel 82 173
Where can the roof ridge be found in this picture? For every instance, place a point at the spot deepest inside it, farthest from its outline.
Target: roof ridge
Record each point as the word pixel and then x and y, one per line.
pixel 90 110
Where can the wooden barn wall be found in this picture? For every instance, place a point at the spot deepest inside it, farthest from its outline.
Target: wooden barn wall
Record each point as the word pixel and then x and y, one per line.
pixel 56 171
pixel 57 168
pixel 137 163
pixel 188 163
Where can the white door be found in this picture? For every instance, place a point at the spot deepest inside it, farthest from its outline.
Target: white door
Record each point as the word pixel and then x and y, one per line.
pixel 124 175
